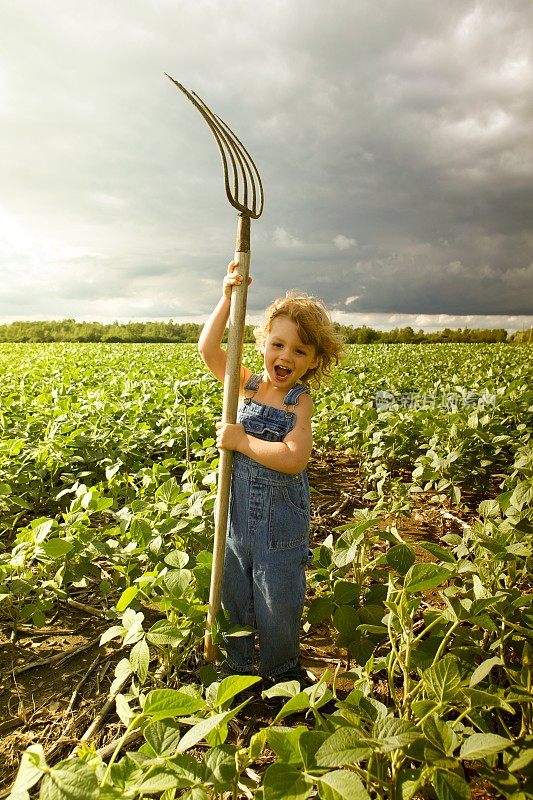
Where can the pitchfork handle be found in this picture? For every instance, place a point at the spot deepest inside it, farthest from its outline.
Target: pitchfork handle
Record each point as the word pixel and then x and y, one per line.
pixel 230 402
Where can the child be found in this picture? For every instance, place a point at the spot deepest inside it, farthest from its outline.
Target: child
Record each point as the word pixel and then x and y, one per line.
pixel 267 544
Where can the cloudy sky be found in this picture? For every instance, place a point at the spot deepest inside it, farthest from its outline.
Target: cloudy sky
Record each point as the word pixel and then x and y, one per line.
pixel 394 140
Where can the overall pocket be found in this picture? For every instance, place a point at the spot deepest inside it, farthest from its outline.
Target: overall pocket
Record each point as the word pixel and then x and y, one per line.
pixel 261 429
pixel 289 517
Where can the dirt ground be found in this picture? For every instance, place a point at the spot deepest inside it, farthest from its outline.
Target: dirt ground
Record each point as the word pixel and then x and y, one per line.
pixel 55 702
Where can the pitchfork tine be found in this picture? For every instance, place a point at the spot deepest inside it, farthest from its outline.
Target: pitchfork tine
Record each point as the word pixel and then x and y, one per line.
pixel 247 167
pixel 245 174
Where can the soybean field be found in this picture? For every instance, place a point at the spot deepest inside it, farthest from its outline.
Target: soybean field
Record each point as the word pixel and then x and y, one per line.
pixel 418 617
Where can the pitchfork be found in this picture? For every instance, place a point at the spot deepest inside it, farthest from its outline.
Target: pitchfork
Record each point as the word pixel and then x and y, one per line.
pixel 245 193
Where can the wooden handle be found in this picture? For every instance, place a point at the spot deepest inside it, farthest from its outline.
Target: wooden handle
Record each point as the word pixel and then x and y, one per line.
pixel 229 414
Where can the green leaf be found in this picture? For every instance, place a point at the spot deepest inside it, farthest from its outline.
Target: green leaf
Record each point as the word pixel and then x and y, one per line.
pixel 480 591
pixel 342 557
pixel 39 618
pixel 443 680
pixel 164 633
pixel 168 493
pixel 236 631
pixel 176 581
pixel 163 736
pixel 140 660
pixel 424 653
pixel 221 761
pixel 187 769
pixel 20 795
pixel 140 530
pixel 489 508
pixel 32 764
pixel 282 782
pixel 133 622
pixel 480 745
pixel 70 780
pixel 177 558
pixel 440 734
pixel 506 785
pixel 342 784
pixel 401 557
pixel 309 743
pixel 202 730
pixel 56 548
pixel 518 549
pixel 127 596
pixel 346 619
pixel 439 552
pixel 257 743
pixel 231 686
pixel 422 577
pixel 300 702
pixel 41 527
pixel 312 697
pixel 160 779
pixel 344 746
pixel 450 786
pixel 122 672
pixel 165 703
pixel 284 689
pixel 320 609
pixel 345 592
pixel 480 699
pixel 391 733
pixel 407 783
pixel 210 479
pixel 285 743
pixel 124 712
pixel 522 495
pixel 195 793
pixel 524 756
pixel 368 708
pixel 111 633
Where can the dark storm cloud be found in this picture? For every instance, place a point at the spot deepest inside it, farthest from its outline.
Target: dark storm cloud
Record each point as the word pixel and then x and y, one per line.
pixel 394 141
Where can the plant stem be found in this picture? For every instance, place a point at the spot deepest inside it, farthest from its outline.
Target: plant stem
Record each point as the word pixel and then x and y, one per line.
pixel 461 716
pixel 444 642
pixel 427 628
pixel 120 743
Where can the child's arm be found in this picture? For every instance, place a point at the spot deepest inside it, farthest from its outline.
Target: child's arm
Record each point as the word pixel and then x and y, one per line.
pixel 209 343
pixel 291 455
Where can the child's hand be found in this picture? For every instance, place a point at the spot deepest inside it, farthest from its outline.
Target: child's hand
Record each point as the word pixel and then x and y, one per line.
pixel 233 278
pixel 229 436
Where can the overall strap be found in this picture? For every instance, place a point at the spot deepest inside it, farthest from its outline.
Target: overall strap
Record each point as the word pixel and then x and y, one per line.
pixel 253 382
pixel 293 395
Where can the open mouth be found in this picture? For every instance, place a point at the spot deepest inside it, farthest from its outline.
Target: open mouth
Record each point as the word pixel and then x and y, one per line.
pixel 282 372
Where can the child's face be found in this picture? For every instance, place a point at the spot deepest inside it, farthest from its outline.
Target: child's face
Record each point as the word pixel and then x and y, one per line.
pixel 286 357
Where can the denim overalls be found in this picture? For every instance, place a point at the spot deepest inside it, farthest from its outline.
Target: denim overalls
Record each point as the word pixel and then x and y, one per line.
pixel 267 545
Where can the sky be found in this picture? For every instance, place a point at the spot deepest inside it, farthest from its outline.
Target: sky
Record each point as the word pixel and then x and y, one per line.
pixel 394 140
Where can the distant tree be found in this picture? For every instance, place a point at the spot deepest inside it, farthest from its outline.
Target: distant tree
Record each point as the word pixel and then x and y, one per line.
pixel 523 337
pixel 68 330
pixel 365 335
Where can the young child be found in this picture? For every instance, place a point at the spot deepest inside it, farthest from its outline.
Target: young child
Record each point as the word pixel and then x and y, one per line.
pixel 267 543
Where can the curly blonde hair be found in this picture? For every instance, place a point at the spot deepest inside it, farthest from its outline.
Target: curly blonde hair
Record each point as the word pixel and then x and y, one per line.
pixel 314 328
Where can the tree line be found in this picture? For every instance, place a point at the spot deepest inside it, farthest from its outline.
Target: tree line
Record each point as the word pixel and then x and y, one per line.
pixel 69 330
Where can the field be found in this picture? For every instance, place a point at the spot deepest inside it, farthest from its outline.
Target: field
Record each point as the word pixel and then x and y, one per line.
pixel 419 611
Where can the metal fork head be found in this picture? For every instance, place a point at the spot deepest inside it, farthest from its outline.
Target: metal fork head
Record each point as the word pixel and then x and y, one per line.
pixel 244 189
